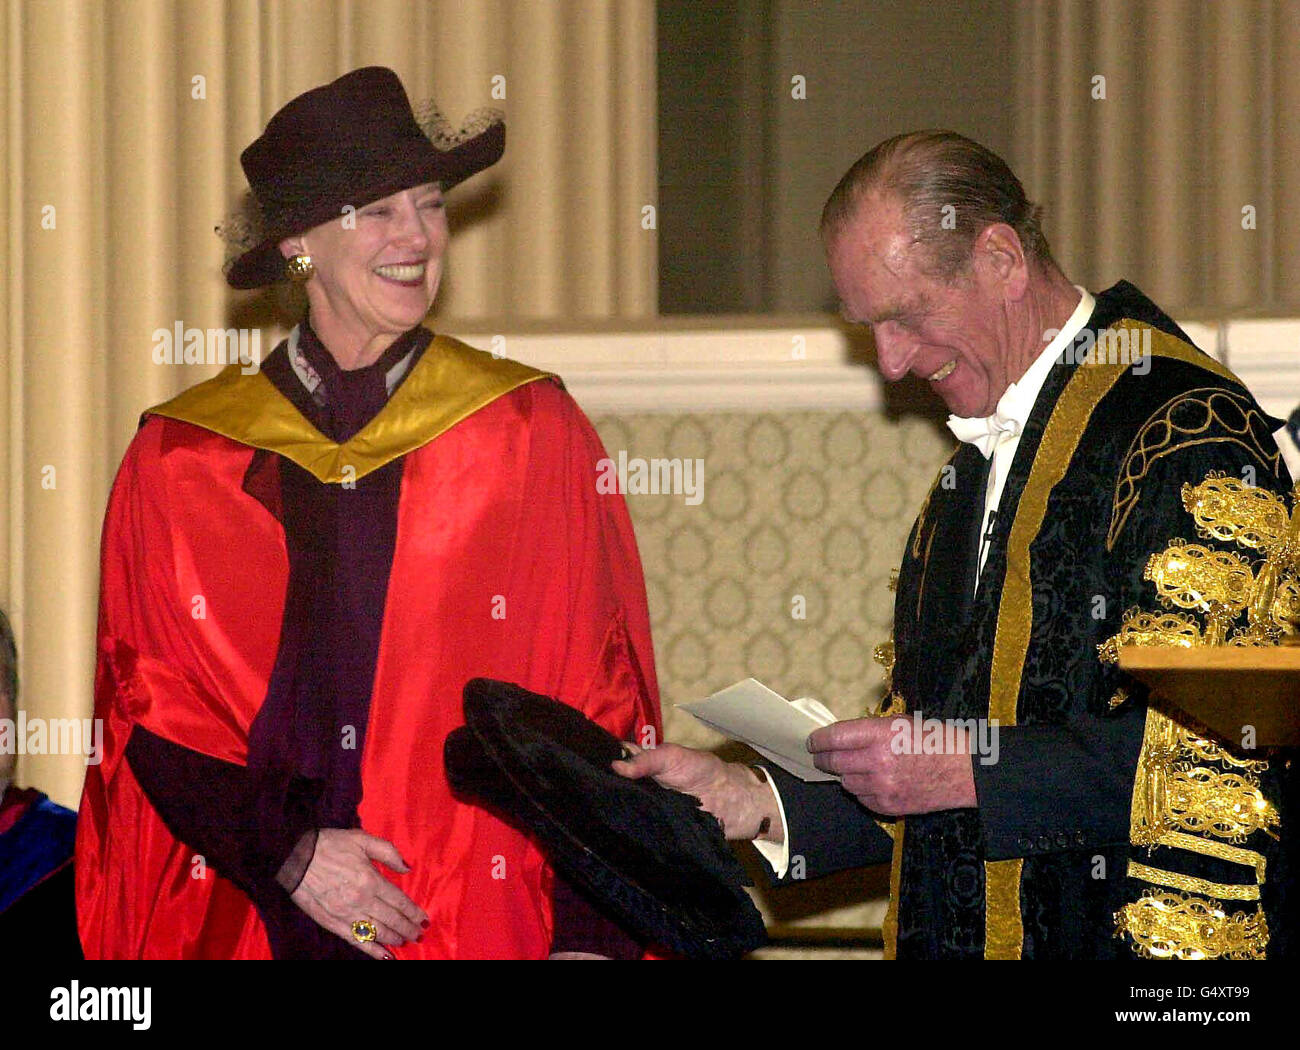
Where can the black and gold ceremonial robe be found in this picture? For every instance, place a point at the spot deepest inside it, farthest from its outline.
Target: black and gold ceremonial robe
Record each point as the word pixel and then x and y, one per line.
pixel 1100 830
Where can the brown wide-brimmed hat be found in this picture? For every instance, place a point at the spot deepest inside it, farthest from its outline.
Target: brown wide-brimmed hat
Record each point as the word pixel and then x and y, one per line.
pixel 349 142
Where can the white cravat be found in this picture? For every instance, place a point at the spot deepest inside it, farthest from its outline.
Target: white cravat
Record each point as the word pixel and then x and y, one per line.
pixel 985 432
pixel 997 436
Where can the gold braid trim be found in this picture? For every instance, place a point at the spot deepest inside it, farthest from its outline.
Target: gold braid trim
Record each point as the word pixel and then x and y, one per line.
pixel 1227 805
pixel 1004 931
pixel 884 656
pixel 889 927
pixel 1223 891
pixel 1209 848
pixel 1167 925
pixel 1207 749
pixel 892 705
pixel 1173 797
pixel 1003 925
pixel 1143 628
pixel 1160 435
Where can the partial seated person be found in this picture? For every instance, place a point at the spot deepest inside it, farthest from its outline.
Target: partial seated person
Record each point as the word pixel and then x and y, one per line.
pixel 37 910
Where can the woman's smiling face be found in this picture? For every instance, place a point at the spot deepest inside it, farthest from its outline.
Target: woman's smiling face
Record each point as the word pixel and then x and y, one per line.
pixel 376 271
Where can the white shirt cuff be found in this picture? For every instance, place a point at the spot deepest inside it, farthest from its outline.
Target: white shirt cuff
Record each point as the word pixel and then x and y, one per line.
pixel 777 857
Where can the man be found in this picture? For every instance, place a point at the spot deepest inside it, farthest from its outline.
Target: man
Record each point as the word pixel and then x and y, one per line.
pixel 1023 559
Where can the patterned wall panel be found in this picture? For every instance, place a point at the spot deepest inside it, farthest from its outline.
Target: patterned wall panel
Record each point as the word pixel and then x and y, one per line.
pixel 798 512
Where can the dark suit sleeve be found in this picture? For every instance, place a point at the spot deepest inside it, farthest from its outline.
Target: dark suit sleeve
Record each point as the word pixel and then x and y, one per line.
pixel 44 920
pixel 829 829
pixel 1059 787
pixel 203 802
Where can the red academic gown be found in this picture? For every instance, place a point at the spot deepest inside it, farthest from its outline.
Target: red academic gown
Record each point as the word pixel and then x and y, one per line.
pixel 508 564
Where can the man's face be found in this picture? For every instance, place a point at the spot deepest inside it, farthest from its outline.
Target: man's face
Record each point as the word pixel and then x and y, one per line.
pixel 954 336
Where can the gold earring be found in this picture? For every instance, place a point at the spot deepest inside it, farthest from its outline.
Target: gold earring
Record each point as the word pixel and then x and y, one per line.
pixel 299 267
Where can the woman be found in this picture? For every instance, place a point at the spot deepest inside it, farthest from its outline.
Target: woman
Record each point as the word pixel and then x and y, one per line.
pixel 303 566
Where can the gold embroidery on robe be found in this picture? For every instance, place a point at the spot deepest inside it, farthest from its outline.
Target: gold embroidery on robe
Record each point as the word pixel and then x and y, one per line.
pixel 1172 793
pixel 1193 792
pixel 1165 925
pixel 893 702
pixel 1090 383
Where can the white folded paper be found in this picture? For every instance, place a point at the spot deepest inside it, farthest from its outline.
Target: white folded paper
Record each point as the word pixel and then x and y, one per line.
pixel 773 726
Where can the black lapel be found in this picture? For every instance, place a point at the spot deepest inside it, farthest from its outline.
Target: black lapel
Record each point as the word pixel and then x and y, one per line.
pixel 949 577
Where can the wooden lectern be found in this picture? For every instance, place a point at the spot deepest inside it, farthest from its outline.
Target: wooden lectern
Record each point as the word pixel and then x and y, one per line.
pixel 1227 688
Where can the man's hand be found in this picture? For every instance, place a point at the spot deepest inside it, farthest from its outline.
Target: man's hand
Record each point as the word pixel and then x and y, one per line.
pixel 889 783
pixel 737 796
pixel 341 886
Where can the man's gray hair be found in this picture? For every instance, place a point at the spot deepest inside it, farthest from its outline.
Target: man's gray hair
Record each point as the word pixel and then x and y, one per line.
pixel 951 189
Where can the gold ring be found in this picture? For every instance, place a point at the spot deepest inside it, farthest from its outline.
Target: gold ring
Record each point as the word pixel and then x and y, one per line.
pixel 364 931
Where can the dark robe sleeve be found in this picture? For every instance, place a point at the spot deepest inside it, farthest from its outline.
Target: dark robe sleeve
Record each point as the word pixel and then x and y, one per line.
pixel 203 801
pixel 829 829
pixel 212 821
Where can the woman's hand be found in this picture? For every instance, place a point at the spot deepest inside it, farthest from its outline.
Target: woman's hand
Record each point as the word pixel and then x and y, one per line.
pixel 341 886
